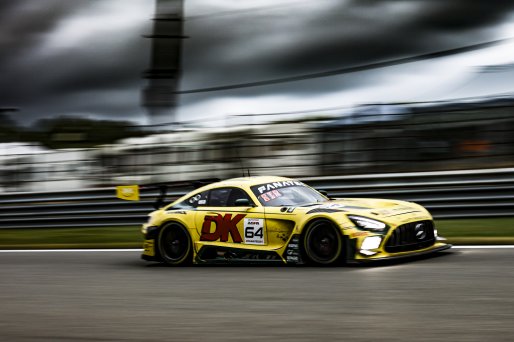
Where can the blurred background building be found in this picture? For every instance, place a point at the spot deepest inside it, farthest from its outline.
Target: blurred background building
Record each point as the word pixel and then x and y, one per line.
pixel 467 124
pixel 374 138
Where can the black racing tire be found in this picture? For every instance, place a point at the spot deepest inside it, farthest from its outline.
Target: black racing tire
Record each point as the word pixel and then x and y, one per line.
pixel 175 245
pixel 322 244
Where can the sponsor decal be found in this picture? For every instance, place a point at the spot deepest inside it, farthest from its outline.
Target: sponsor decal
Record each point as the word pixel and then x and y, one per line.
pixel 277 185
pixel 293 258
pixel 270 195
pixel 276 193
pixel 254 231
pixel 282 236
pixel 292 253
pixel 224 225
pixel 195 199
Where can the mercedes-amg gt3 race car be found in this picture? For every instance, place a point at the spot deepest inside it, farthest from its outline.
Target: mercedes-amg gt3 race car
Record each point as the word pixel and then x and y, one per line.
pixel 276 219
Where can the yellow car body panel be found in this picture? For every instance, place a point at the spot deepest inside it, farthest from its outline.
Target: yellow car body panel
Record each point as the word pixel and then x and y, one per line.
pixel 277 233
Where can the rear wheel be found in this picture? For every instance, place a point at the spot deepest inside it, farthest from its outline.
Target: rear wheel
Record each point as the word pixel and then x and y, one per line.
pixel 322 243
pixel 175 245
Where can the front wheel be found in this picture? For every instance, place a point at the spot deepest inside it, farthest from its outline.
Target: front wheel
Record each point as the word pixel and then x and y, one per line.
pixel 322 243
pixel 175 245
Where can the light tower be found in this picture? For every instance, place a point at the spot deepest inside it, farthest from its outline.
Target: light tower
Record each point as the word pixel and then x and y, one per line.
pixel 159 97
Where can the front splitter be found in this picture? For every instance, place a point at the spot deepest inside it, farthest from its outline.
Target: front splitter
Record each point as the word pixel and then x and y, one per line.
pixel 403 256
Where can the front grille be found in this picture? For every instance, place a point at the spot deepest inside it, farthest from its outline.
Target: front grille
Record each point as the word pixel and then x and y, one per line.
pixel 411 236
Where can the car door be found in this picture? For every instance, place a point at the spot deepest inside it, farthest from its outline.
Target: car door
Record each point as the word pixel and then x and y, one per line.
pixel 223 221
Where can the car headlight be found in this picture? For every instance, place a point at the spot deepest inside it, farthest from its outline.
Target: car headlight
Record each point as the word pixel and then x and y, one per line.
pixel 367 223
pixel 371 242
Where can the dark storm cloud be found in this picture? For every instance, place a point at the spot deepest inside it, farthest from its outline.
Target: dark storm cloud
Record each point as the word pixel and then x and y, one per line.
pixel 385 31
pixel 288 38
pixel 458 15
pixel 99 78
pixel 293 41
pixel 23 23
pixel 101 70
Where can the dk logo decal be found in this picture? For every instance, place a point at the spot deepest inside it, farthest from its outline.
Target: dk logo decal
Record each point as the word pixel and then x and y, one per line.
pixel 224 225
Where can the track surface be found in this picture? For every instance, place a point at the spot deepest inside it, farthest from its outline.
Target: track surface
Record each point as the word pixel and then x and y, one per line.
pixel 461 295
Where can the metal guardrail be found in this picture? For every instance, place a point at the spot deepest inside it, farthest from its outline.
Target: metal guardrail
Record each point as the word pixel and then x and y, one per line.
pixel 449 194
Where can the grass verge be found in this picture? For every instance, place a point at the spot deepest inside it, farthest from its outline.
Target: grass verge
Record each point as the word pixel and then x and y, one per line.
pixel 104 237
pixel 492 231
pixel 457 231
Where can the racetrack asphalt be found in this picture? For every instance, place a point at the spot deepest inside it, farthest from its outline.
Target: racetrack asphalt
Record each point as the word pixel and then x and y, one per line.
pixel 460 295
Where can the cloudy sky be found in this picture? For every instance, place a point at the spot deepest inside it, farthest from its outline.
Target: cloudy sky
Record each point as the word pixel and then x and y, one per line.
pixel 85 57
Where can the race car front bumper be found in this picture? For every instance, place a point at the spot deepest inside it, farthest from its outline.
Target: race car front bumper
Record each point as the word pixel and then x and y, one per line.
pixel 384 256
pixel 150 251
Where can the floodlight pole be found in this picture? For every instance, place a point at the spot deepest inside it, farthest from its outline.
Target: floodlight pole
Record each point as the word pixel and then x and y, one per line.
pixel 159 97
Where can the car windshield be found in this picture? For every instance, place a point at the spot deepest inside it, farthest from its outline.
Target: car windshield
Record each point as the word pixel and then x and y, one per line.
pixel 286 193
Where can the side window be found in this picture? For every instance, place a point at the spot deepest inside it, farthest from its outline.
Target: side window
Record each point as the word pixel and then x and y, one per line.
pixel 219 197
pixel 226 197
pixel 236 194
pixel 194 201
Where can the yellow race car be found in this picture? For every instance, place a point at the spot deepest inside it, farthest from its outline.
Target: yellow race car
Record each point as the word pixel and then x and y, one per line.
pixel 282 220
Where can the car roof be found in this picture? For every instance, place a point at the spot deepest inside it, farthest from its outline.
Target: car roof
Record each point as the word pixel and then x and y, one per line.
pixel 242 182
pixel 245 182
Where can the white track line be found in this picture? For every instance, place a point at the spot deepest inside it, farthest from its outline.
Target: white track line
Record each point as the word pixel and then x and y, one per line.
pixel 67 250
pixel 486 246
pixel 140 250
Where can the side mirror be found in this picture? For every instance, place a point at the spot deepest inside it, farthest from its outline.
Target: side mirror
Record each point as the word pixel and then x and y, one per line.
pixel 243 202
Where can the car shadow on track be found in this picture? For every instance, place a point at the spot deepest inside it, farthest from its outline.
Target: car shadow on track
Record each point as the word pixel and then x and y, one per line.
pixel 379 263
pixel 407 260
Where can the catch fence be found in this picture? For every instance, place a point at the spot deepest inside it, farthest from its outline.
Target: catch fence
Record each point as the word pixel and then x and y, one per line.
pixel 449 194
